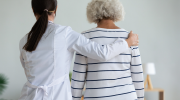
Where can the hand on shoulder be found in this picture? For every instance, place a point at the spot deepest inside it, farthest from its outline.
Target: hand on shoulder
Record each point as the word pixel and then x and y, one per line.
pixel 133 39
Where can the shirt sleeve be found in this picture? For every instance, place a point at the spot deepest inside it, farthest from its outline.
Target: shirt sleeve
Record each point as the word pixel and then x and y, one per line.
pixel 21 45
pixel 84 46
pixel 79 76
pixel 137 73
pixel 22 61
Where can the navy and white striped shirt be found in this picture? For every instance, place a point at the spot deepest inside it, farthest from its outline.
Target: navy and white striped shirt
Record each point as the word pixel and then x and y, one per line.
pixel 120 78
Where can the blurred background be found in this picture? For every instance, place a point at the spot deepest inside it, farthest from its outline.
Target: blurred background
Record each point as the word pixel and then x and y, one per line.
pixel 156 21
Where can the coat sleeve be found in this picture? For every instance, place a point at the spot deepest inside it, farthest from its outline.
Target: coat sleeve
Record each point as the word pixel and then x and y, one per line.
pixel 21 45
pixel 22 61
pixel 137 73
pixel 79 76
pixel 84 46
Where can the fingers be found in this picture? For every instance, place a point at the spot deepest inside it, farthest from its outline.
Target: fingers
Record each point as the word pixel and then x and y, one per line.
pixel 133 39
pixel 131 32
pixel 136 43
pixel 137 37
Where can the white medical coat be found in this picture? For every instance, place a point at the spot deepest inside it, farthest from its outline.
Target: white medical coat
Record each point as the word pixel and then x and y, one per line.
pixel 47 68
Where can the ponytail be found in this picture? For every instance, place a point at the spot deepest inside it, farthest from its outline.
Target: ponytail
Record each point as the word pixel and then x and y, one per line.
pixel 40 7
pixel 37 32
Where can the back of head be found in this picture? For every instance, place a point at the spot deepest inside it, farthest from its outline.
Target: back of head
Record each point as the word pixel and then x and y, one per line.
pixel 105 9
pixel 41 8
pixel 40 5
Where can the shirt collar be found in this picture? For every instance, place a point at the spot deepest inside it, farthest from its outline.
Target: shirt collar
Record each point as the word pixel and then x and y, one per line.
pixel 50 21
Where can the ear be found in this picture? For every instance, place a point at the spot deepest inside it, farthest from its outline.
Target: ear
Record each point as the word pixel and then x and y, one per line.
pixel 56 9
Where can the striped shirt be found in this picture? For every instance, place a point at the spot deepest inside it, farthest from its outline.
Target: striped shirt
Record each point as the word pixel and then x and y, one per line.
pixel 120 78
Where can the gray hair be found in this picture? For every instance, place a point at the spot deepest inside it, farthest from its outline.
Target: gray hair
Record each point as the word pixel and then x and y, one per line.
pixel 100 9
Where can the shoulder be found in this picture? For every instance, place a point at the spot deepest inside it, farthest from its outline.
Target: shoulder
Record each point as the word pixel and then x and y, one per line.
pixel 100 31
pixel 65 31
pixel 123 30
pixel 104 30
pixel 89 31
pixel 23 41
pixel 55 27
pixel 60 28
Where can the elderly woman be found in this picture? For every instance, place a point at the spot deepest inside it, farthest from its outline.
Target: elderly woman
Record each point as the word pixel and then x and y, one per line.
pixel 120 78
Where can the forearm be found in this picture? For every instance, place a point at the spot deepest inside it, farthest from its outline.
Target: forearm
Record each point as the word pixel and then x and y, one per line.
pixel 97 51
pixel 137 73
pixel 81 44
pixel 22 61
pixel 139 85
pixel 78 77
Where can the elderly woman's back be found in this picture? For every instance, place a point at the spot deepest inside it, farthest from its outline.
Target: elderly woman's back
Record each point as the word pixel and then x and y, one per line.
pixel 120 78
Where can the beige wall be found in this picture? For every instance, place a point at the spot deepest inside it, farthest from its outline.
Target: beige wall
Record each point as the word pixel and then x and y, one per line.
pixel 156 21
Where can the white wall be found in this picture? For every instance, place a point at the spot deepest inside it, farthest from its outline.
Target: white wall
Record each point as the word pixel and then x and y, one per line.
pixel 156 21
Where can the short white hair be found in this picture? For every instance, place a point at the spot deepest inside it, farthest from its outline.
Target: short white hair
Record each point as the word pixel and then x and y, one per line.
pixel 100 9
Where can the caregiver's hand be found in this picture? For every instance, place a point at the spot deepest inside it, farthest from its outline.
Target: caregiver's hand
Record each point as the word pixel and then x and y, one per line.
pixel 133 39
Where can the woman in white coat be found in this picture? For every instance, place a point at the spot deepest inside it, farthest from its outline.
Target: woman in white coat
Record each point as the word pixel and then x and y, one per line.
pixel 46 53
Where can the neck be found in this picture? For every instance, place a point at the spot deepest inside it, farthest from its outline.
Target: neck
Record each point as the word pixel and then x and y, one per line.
pixel 50 18
pixel 107 23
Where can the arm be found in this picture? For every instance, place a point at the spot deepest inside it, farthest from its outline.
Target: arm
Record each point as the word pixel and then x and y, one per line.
pixel 93 50
pixel 79 76
pixel 137 73
pixel 22 61
pixel 21 44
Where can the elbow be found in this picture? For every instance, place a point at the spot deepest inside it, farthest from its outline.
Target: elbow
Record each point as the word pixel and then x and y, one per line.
pixel 105 57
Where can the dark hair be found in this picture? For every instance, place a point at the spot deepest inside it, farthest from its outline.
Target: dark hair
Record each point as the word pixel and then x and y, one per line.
pixel 40 26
